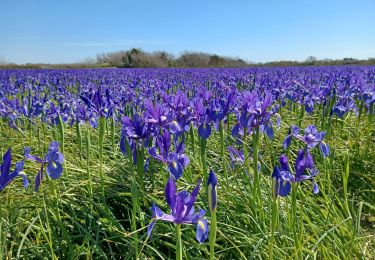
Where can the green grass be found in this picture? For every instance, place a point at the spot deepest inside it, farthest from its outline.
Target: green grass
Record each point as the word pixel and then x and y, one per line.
pixel 78 223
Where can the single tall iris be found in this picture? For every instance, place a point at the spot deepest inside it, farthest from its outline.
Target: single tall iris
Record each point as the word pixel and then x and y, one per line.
pixel 176 161
pixel 311 138
pixel 283 177
pixel 54 160
pixel 182 209
pixel 304 170
pixel 6 176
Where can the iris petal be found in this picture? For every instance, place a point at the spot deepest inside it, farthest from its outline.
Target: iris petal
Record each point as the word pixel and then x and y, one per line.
pixel 32 157
pixel 287 141
pixel 176 169
pixel 269 131
pixel 150 227
pixel 25 180
pixel 38 180
pixel 180 207
pixel 5 169
pixel 204 131
pixel 324 148
pixel 170 193
pixel 212 194
pixel 284 188
pixel 54 169
pixel 193 197
pixel 315 188
pixel 202 230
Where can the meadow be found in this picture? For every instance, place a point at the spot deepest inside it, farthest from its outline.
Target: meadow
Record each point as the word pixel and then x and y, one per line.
pixel 250 163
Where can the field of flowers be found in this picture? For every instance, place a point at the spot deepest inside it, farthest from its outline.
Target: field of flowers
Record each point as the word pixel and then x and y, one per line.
pixel 266 163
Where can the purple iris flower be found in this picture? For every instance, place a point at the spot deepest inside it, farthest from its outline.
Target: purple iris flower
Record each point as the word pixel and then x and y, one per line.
pixel 180 105
pixel 267 128
pixel 204 130
pixel 102 105
pixel 254 113
pixel 83 114
pixel 293 132
pixel 182 209
pixel 161 116
pixel 35 108
pixel 236 156
pixel 6 176
pixel 11 109
pixel 202 118
pixel 311 138
pixel 343 105
pixel 178 102
pixel 135 128
pixel 284 177
pixel 368 97
pixel 221 106
pixel 176 161
pixel 54 160
pixel 212 193
pixel 304 162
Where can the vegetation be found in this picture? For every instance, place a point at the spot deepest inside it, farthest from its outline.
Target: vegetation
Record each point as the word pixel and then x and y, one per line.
pixel 137 58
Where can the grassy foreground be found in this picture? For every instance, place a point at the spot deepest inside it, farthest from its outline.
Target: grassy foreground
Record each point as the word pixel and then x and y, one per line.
pixel 70 219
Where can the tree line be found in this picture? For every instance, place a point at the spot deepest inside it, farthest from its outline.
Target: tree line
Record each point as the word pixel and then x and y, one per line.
pixel 137 58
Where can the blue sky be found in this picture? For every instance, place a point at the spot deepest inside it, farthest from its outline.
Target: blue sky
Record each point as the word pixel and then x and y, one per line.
pixel 72 30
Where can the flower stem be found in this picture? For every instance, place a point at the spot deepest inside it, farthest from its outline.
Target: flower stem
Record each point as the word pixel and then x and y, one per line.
pixel 246 156
pixel 213 234
pixel 79 137
pixel 203 145
pixel 61 133
pixel 113 135
pixel 294 216
pixel 256 190
pixel 101 140
pixel 134 194
pixel 246 151
pixel 274 220
pixel 192 138
pixel 301 115
pixel 88 162
pixel 345 183
pixel 140 165
pixel 178 243
pixel 222 149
